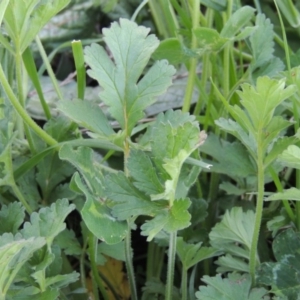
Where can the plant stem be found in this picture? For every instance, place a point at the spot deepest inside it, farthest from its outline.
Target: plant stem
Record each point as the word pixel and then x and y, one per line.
pixel 184 284
pixel 171 265
pixel 129 265
pixel 48 67
pixel 258 214
pixel 193 61
pixel 21 198
pixel 22 112
pixel 92 254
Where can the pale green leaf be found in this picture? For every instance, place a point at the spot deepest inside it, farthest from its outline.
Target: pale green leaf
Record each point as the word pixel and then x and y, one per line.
pixel 261 41
pixel 278 146
pixel 291 157
pixel 61 281
pixel 24 19
pixel 49 221
pixel 229 263
pixel 284 274
pixel 235 287
pixel 208 40
pixel 11 217
pixel 169 219
pixel 227 154
pixel 14 252
pixel 289 194
pixel 143 172
pixel 261 100
pixel 97 217
pixel 236 227
pixel 87 115
pixel 191 254
pixel 3 6
pixel 237 21
pixel 83 158
pixel 123 92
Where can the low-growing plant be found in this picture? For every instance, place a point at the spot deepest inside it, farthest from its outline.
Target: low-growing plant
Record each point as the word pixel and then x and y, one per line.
pixel 136 177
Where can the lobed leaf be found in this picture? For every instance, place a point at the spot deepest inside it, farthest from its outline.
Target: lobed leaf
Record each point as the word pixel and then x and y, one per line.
pixel 191 254
pixel 235 287
pixel 236 227
pixel 170 219
pixel 11 217
pixel 123 92
pixel 291 157
pixel 97 217
pixel 237 21
pixel 143 172
pixel 49 221
pixel 24 19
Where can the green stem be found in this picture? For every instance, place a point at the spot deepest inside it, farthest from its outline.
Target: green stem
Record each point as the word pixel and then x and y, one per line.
pixel 297 202
pixel 184 284
pixel 48 67
pixel 21 198
pixel 193 61
pixel 22 112
pixel 129 264
pixel 92 254
pixel 171 265
pixel 280 189
pixel 258 215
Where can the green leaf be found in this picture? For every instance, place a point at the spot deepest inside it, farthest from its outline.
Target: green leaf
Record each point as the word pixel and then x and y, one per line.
pixel 227 154
pixel 24 19
pixel 279 144
pixel 236 227
pixel 84 159
pixel 67 241
pixel 289 194
pixel 87 115
pixel 237 21
pixel 284 274
pixel 291 157
pixel 233 235
pixel 172 50
pixel 235 287
pixel 123 92
pixel 191 254
pixel 49 221
pixel 143 172
pixel 130 202
pixel 169 219
pixel 51 171
pixel 97 217
pixel 3 6
pixel 260 101
pixel 173 143
pixel 236 130
pixel 208 40
pixel 229 263
pixel 261 41
pixel 116 251
pixel 11 217
pixel 14 252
